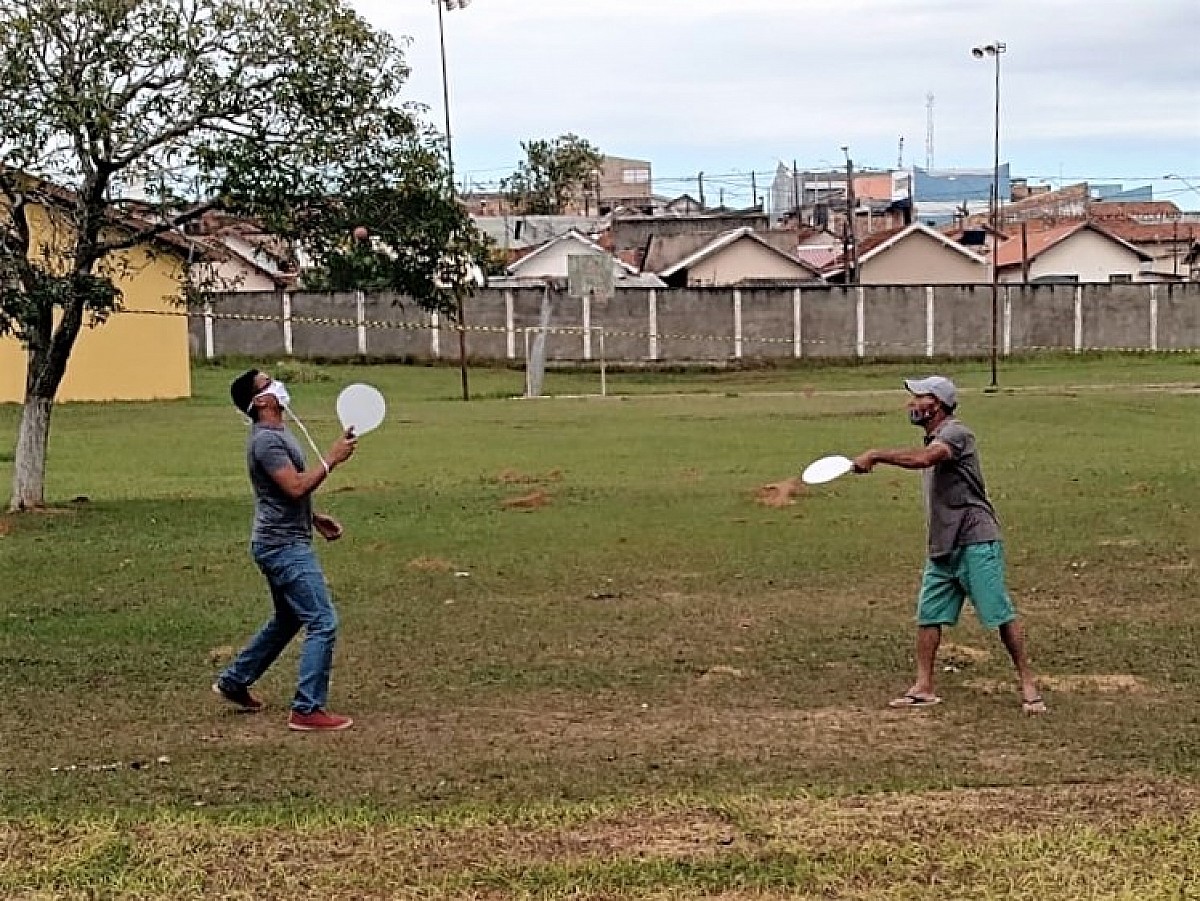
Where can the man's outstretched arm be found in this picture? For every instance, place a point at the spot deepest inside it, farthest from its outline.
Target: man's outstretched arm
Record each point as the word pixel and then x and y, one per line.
pixel 905 457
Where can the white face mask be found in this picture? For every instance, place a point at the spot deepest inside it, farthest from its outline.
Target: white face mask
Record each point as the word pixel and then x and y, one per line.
pixel 279 391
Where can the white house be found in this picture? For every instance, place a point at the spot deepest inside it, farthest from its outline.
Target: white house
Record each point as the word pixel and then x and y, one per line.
pixel 737 258
pixel 550 261
pixel 1073 252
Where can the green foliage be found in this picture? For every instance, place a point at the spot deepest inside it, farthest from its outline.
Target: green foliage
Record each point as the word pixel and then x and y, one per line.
pixel 298 372
pixel 121 121
pixel 148 113
pixel 552 174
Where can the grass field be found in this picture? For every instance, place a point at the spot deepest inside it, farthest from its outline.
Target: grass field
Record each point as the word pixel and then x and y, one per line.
pixel 639 683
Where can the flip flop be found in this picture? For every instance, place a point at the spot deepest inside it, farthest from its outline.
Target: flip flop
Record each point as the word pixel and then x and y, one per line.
pixel 912 700
pixel 1034 706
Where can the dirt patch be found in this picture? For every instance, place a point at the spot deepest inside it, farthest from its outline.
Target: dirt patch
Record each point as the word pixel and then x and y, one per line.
pixel 1100 684
pixel 660 732
pixel 221 655
pixel 5 527
pixel 427 564
pixel 1077 684
pixel 534 500
pixel 779 494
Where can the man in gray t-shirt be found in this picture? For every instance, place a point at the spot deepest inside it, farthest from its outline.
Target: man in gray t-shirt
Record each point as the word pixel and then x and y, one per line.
pixel 278 518
pixel 966 557
pixel 281 544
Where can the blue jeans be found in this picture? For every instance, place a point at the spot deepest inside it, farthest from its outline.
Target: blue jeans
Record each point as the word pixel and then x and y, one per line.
pixel 301 598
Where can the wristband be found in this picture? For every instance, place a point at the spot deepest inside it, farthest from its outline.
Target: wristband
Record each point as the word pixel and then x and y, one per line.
pixel 328 468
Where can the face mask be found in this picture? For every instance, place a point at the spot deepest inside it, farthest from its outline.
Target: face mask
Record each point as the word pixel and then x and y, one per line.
pixel 279 391
pixel 916 417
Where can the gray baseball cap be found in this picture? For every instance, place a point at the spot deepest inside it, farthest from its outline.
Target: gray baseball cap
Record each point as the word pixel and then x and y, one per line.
pixel 937 385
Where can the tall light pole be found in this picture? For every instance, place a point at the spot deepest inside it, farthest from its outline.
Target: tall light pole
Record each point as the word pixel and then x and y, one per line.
pixel 994 50
pixel 462 325
pixel 850 247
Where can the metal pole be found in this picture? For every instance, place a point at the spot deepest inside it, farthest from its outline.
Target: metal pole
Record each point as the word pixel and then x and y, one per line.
pixel 996 229
pixel 603 367
pixel 446 95
pixel 462 325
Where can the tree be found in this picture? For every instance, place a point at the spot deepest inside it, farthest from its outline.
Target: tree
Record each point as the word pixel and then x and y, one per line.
pixel 123 120
pixel 552 174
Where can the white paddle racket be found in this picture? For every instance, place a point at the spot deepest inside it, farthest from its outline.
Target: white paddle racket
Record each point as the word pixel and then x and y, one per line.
pixel 826 469
pixel 361 408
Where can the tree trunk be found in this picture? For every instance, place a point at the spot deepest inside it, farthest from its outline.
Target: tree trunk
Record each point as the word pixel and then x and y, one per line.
pixel 29 464
pixel 44 373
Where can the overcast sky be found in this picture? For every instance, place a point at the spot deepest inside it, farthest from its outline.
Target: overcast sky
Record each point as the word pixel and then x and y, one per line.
pixel 1107 90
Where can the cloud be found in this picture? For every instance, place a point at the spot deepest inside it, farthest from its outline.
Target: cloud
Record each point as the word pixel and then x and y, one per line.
pixel 709 83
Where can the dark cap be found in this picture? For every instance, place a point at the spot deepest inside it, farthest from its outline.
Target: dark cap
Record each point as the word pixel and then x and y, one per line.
pixel 242 390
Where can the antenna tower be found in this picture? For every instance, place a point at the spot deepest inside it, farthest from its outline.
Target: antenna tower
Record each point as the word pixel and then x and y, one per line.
pixel 929 130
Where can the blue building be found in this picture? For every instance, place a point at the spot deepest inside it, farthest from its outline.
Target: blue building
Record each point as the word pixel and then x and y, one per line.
pixel 941 195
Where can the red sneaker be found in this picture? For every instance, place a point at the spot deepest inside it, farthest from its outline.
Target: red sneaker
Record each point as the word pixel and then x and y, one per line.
pixel 241 697
pixel 318 721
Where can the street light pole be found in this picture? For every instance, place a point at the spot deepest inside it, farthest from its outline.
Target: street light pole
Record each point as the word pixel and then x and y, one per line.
pixel 995 50
pixel 462 325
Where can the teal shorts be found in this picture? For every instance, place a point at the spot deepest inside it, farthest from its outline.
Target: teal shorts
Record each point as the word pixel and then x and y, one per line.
pixel 975 571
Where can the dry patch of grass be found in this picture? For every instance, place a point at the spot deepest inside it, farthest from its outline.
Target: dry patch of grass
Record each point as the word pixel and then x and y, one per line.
pixel 1120 840
pixel 429 564
pixel 1107 683
pixel 511 476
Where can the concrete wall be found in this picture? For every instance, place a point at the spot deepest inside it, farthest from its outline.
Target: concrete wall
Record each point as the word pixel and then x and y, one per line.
pixel 717 324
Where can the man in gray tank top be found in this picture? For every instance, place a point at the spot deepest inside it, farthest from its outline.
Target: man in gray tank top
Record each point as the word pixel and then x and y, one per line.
pixel 966 557
pixel 281 544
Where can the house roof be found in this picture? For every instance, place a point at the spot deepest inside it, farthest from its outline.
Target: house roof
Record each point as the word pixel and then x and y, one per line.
pixel 818 257
pixel 1166 232
pixel 1010 252
pixel 722 241
pixel 214 249
pixel 1155 210
pixel 881 242
pixel 530 231
pixel 578 238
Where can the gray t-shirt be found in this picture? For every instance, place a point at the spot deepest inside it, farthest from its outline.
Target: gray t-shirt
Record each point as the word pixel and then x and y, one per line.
pixel 956 501
pixel 278 520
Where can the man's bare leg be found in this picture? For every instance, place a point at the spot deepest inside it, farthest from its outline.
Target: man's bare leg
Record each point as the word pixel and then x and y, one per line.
pixel 928 640
pixel 1013 636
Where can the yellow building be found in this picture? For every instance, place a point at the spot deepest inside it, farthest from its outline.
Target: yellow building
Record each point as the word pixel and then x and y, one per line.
pixel 131 356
